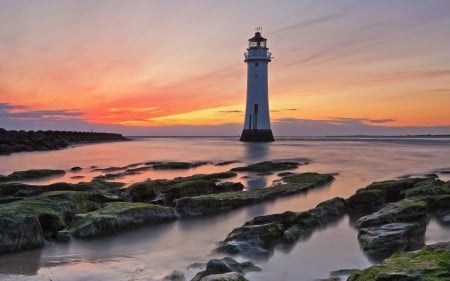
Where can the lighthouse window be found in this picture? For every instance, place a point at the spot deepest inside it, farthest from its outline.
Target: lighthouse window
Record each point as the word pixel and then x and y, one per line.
pixel 256 64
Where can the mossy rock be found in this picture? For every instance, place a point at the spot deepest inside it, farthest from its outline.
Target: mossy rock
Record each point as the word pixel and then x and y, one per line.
pixel 260 235
pixel 177 165
pixel 213 203
pixel 267 166
pixel 374 196
pixel 431 263
pixel 406 210
pixel 119 216
pixel 31 174
pixel 25 224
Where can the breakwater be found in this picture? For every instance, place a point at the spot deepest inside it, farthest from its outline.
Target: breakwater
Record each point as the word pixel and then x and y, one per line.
pixel 19 141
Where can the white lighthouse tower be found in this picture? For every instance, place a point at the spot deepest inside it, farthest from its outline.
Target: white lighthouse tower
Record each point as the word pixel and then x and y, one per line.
pixel 257 121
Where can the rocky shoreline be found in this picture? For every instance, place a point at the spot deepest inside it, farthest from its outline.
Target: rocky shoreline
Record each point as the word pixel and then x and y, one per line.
pixel 391 216
pixel 19 141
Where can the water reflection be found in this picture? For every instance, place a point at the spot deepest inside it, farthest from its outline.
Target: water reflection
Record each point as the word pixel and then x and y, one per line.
pixel 25 263
pixel 256 151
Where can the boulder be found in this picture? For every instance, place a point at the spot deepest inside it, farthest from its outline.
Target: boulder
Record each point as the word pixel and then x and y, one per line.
pixel 382 241
pixel 26 223
pixel 428 264
pixel 216 267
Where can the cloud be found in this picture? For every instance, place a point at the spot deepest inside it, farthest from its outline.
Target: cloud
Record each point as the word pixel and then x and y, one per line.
pixel 348 126
pixel 308 23
pixel 379 121
pixel 230 111
pixel 11 112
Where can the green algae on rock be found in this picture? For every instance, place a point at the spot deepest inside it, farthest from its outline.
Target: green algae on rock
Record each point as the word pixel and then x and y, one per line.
pixel 431 263
pixel 213 203
pixel 118 216
pixel 31 174
pixel 26 223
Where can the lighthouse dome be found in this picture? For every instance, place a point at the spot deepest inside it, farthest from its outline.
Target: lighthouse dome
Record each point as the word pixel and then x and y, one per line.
pixel 257 41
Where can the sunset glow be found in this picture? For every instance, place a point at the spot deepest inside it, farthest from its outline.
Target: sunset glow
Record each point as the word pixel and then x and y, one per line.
pixel 145 64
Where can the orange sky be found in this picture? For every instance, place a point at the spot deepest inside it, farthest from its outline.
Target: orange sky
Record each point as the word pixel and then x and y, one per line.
pixel 164 63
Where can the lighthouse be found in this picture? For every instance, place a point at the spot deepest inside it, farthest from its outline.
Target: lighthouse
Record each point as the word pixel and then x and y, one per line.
pixel 257 120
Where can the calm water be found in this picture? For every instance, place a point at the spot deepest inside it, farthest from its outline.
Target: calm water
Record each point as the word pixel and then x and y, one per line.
pixel 149 253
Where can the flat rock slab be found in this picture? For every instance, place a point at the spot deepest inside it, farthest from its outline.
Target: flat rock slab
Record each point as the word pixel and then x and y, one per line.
pixel 205 204
pixel 119 216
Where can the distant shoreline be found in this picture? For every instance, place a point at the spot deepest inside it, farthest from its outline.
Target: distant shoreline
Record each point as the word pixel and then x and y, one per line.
pixel 12 141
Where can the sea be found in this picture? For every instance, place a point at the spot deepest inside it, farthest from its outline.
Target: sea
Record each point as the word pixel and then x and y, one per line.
pixel 153 252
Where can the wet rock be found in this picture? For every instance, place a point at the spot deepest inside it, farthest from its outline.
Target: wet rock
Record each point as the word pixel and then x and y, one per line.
pixel 76 169
pixel 77 177
pixel 213 203
pixel 374 196
pixel 141 191
pixel 267 166
pixel 382 241
pixel 217 267
pixel 197 187
pixel 229 276
pixel 118 216
pixel 224 163
pixel 430 263
pixel 177 165
pixel 25 224
pixel 406 210
pixel 174 276
pixel 259 236
pixel 63 236
pixel 31 174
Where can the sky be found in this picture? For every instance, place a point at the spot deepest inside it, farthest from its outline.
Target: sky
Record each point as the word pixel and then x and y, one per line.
pixel 340 67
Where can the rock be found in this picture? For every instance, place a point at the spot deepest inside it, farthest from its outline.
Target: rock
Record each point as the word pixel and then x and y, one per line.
pixel 428 264
pixel 224 163
pixel 141 191
pixel 267 166
pixel 177 165
pixel 174 276
pixel 118 216
pixel 169 190
pixel 213 203
pixel 374 196
pixel 197 187
pixel 229 276
pixel 25 224
pixel 76 169
pixel 31 174
pixel 63 236
pixel 406 210
pixel 259 236
pixel 224 265
pixel 382 241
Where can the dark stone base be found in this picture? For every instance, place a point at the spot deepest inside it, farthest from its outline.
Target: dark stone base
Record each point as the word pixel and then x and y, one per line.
pixel 257 136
